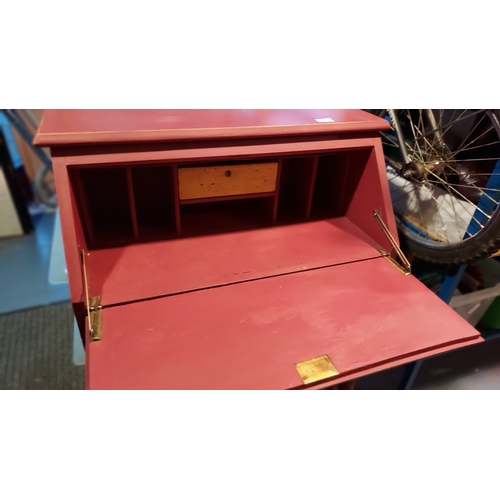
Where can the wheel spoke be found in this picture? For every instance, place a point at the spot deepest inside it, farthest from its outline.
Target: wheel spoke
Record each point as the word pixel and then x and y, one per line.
pixel 459 193
pixel 436 201
pixel 413 128
pixel 474 187
pixel 459 149
pixel 479 146
pixel 452 160
pixel 411 196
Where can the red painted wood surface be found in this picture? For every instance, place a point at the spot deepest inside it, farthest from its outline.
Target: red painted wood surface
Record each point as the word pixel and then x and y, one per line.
pixel 150 270
pixel 72 224
pixel 71 228
pixel 372 191
pixel 364 316
pixel 72 126
pixel 238 310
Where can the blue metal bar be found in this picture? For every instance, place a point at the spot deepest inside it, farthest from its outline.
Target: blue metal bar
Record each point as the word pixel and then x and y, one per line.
pixel 450 283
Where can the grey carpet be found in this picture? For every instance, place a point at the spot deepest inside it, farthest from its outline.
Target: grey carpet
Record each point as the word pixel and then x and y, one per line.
pixel 36 349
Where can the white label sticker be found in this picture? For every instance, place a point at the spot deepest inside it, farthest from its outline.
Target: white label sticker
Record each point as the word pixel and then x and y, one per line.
pixel 324 120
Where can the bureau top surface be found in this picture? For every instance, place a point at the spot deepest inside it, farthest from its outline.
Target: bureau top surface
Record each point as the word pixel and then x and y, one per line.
pixel 94 126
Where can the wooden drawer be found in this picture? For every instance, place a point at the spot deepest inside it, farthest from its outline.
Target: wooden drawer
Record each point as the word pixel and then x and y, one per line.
pixel 229 180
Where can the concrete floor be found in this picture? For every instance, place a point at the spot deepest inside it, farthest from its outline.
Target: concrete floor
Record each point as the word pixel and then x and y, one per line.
pixel 25 283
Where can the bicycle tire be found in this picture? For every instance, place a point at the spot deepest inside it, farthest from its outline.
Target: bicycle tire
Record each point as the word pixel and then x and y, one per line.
pixel 467 178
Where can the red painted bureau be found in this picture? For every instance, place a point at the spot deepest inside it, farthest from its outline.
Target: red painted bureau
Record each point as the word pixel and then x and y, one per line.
pixel 236 249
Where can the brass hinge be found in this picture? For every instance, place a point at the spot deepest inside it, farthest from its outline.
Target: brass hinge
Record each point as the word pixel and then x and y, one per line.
pixel 95 318
pixel 405 267
pixel 93 305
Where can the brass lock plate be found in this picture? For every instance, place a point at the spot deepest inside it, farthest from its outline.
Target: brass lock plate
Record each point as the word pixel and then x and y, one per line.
pixel 316 369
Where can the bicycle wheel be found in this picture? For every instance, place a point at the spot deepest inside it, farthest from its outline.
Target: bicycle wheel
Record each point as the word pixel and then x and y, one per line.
pixel 446 193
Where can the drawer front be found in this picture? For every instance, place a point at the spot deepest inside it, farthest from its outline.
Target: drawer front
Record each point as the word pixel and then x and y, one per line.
pixel 211 182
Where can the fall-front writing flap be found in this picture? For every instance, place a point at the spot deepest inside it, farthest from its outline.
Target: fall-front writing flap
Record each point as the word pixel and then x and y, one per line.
pixel 363 316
